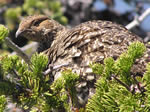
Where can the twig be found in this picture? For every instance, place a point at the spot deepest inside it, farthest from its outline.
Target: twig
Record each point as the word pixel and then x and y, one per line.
pixel 26 47
pixel 123 84
pixel 16 74
pixel 138 20
pixel 47 71
pixel 17 49
pixel 54 68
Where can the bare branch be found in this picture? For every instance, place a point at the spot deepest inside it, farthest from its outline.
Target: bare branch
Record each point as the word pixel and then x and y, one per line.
pixel 138 20
pixel 54 68
pixel 17 49
pixel 26 47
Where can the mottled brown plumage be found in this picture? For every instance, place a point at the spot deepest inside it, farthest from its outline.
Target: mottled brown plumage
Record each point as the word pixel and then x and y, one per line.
pixel 40 29
pixel 88 42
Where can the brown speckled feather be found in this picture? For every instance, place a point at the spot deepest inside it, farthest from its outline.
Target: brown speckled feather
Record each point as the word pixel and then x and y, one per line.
pixel 92 41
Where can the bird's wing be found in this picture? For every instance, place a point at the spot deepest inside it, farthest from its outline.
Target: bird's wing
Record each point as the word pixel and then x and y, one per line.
pixel 92 41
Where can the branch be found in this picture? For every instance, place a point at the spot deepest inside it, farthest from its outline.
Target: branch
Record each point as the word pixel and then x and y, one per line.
pixel 18 50
pixel 138 20
pixel 26 47
pixel 54 68
pixel 123 84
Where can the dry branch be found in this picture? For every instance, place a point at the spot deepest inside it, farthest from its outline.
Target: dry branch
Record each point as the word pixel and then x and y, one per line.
pixel 17 49
pixel 138 20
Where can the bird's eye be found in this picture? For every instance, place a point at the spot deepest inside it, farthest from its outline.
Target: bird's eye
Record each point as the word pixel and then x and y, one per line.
pixel 36 23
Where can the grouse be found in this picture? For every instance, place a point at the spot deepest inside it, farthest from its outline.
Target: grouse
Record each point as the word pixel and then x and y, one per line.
pixel 88 42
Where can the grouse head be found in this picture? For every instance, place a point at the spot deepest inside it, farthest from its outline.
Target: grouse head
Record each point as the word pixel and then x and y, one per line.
pixel 38 28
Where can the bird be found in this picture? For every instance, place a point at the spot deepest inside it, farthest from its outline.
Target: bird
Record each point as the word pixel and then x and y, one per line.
pixel 91 41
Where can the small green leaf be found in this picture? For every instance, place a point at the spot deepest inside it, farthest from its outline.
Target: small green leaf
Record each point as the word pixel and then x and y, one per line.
pixel 136 49
pixel 97 68
pixel 2 103
pixel 3 32
pixel 39 62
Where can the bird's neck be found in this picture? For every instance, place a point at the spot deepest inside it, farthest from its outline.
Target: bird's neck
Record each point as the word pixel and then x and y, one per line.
pixel 51 37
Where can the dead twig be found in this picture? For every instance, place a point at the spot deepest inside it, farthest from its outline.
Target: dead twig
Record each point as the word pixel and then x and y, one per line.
pixel 26 47
pixel 51 68
pixel 138 20
pixel 18 50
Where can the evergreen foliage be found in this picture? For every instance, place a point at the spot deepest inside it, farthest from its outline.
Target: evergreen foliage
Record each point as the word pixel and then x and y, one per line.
pixel 2 103
pixel 117 90
pixel 3 32
pixel 63 91
pixel 32 90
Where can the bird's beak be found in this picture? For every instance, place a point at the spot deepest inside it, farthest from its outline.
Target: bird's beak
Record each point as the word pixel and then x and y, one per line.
pixel 18 33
